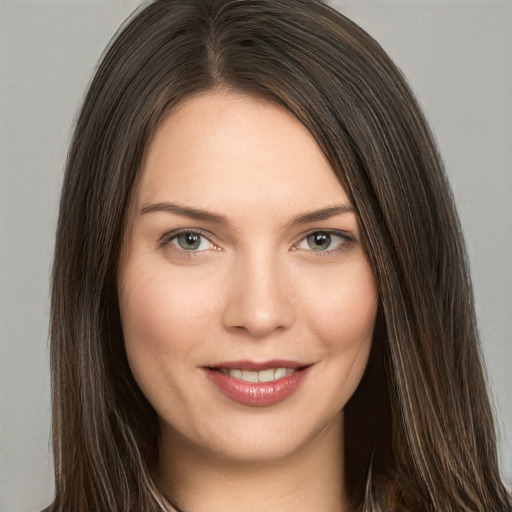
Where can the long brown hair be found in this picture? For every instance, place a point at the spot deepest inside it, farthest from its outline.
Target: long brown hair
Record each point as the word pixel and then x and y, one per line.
pixel 432 445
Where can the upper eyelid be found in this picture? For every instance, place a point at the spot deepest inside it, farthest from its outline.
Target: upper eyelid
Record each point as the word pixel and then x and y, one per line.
pixel 345 237
pixel 342 233
pixel 176 232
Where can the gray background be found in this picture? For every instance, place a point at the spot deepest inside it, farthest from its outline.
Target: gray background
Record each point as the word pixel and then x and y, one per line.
pixel 457 56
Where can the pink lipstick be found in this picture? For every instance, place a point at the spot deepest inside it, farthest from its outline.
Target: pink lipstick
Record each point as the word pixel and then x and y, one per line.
pixel 258 384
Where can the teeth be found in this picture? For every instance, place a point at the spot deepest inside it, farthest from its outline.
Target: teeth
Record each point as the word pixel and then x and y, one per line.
pixel 266 375
pixel 280 373
pixel 236 373
pixel 262 376
pixel 249 376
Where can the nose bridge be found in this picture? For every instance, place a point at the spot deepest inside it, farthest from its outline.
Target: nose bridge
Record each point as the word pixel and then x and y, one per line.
pixel 260 298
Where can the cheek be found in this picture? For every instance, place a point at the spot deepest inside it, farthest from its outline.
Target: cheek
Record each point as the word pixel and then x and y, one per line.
pixel 161 318
pixel 343 312
pixel 146 311
pixel 145 326
pixel 342 319
pixel 159 308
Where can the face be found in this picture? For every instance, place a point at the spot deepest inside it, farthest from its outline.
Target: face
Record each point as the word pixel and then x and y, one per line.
pixel 246 299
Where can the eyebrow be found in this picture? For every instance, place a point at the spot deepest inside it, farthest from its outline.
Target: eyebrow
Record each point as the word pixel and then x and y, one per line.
pixel 323 214
pixel 185 211
pixel 204 215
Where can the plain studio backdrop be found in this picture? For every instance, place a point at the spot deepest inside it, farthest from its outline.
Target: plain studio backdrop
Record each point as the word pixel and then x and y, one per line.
pixel 457 56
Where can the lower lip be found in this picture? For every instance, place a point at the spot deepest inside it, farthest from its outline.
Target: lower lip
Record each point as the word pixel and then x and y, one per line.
pixel 257 394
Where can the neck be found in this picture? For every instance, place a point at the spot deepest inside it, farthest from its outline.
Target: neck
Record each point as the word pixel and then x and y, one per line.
pixel 308 479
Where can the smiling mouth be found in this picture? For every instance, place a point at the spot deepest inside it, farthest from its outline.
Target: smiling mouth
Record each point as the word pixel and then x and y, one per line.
pixel 268 375
pixel 258 384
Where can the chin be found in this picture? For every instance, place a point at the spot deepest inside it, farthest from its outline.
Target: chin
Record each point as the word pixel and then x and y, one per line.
pixel 258 439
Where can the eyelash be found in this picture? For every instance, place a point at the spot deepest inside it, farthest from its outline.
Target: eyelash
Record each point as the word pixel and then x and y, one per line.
pixel 168 238
pixel 343 237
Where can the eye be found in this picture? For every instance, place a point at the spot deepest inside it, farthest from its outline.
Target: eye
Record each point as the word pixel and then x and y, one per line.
pixel 323 241
pixel 191 241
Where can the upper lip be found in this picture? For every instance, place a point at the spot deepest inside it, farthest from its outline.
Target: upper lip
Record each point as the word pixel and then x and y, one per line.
pixel 259 365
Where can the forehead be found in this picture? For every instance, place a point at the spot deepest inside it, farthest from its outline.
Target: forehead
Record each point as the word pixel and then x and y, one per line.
pixel 224 148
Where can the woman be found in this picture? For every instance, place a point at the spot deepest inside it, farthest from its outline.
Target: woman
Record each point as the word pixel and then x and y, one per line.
pixel 260 297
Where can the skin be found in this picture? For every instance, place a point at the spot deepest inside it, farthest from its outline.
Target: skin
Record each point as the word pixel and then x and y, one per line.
pixel 255 288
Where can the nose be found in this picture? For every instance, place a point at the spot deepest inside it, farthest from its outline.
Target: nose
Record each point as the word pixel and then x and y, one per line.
pixel 260 298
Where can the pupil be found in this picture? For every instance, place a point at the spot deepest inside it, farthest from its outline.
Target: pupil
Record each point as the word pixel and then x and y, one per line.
pixel 189 241
pixel 319 241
